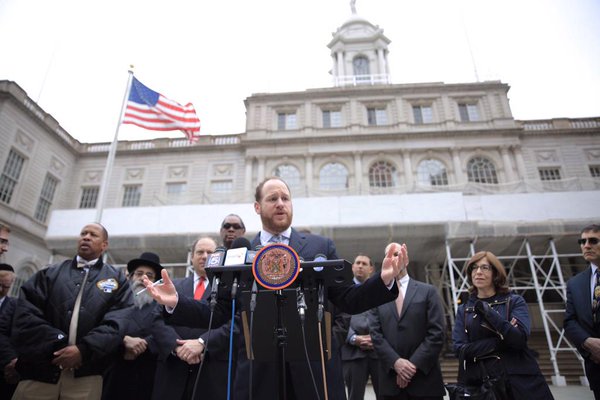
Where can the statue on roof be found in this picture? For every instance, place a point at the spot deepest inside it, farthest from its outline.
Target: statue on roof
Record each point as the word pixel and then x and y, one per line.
pixel 353 6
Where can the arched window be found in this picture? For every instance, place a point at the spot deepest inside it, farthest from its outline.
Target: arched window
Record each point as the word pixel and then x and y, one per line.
pixel 333 176
pixel 481 170
pixel 360 65
pixel 432 173
pixel 382 174
pixel 290 174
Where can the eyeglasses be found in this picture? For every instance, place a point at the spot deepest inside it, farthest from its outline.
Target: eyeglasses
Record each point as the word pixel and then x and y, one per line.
pixel 482 267
pixel 592 240
pixel 234 226
pixel 150 275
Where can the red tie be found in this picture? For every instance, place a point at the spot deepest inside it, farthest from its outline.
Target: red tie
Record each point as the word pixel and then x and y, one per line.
pixel 199 292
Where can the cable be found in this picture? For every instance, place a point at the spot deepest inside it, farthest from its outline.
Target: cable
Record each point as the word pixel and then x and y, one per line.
pixel 252 307
pixel 322 360
pixel 312 375
pixel 230 349
pixel 320 313
pixel 213 303
pixel 202 354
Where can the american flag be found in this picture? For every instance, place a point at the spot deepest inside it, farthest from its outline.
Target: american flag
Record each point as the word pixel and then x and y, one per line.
pixel 151 110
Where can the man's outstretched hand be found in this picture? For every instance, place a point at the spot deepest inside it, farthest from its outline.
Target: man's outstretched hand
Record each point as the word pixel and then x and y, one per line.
pixel 164 293
pixel 395 261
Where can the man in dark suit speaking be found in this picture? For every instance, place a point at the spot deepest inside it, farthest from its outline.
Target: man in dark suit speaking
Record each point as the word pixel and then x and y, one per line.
pixel 273 202
pixel 582 315
pixel 408 335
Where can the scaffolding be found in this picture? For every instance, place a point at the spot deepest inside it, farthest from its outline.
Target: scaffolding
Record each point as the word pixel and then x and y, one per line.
pixel 527 272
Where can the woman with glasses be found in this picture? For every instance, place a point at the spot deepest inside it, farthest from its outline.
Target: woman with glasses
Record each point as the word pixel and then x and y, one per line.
pixel 492 329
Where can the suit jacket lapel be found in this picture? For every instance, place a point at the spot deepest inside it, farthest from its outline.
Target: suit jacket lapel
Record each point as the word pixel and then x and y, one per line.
pixel 587 294
pixel 297 241
pixel 410 293
pixel 188 286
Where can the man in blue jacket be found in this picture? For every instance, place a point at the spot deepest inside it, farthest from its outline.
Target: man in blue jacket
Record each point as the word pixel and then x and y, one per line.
pixel 67 323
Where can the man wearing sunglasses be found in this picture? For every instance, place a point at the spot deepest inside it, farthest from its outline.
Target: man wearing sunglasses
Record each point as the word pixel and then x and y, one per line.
pixel 582 315
pixel 232 228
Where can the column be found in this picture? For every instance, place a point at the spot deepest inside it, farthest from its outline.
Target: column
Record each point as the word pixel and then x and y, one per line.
pixel 248 176
pixel 460 178
pixel 309 174
pixel 380 53
pixel 407 170
pixel 260 174
pixel 520 163
pixel 358 173
pixel 508 169
pixel 340 64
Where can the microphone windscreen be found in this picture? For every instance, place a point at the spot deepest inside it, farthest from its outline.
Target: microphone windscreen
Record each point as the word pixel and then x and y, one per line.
pixel 241 242
pixel 320 257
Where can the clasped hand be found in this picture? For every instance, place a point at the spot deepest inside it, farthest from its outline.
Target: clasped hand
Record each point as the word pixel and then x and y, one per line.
pixel 405 370
pixel 189 350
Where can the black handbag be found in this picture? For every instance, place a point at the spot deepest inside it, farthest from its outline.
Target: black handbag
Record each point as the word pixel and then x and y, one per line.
pixel 487 386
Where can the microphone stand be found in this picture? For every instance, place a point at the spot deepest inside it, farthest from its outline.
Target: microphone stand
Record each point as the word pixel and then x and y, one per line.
pixel 281 334
pixel 320 312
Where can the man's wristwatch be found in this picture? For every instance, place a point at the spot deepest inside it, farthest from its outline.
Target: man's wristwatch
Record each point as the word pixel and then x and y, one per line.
pixel 201 341
pixel 353 339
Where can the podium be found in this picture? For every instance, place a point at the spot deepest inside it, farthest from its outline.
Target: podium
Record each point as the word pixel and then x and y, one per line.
pixel 277 335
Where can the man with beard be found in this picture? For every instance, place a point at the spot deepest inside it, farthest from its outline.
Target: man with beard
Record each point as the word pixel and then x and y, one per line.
pixel 273 202
pixel 66 325
pixel 232 228
pixel 131 377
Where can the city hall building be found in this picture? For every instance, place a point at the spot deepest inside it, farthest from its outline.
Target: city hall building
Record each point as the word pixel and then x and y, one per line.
pixel 444 168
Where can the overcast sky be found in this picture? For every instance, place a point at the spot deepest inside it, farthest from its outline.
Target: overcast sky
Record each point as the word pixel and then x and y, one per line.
pixel 72 57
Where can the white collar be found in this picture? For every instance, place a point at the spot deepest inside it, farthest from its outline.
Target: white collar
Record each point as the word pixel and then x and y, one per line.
pixel 266 236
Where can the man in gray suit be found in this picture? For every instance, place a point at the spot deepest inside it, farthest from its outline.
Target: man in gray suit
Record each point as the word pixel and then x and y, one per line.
pixel 408 335
pixel 359 360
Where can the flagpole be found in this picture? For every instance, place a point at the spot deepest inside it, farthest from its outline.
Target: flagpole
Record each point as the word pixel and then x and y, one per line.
pixel 111 153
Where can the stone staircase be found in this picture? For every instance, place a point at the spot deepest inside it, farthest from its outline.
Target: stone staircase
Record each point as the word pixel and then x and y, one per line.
pixel 569 365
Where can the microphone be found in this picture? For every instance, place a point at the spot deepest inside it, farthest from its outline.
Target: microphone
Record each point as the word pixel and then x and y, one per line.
pixel 216 259
pixel 319 257
pixel 321 308
pixel 254 292
pixel 251 254
pixel 237 255
pixel 213 293
pixel 300 303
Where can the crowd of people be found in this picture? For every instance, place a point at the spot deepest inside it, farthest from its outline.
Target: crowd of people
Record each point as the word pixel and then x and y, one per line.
pixel 83 329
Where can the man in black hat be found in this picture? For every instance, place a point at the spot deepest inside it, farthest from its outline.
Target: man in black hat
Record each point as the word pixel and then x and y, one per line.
pixel 8 355
pixel 132 375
